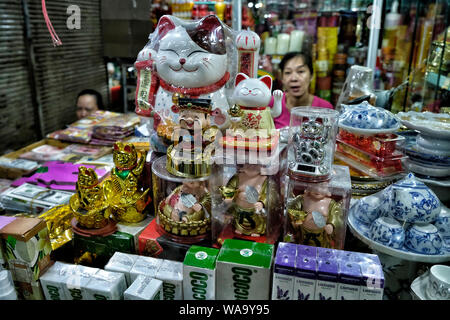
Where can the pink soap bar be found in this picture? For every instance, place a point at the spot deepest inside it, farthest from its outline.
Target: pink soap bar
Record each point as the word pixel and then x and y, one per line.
pixel 59 176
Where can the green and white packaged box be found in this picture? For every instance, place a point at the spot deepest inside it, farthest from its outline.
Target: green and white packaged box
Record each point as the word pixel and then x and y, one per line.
pixel 199 273
pixel 244 270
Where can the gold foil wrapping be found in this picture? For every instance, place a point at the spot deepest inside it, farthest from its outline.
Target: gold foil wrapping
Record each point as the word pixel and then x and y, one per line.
pixel 196 167
pixel 59 225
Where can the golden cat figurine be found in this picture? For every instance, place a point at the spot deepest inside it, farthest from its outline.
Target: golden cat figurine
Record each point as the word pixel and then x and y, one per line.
pixel 123 192
pixel 88 203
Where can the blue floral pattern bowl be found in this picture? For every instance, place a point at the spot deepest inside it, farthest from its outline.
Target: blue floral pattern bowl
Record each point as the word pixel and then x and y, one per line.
pixel 423 238
pixel 422 247
pixel 388 231
pixel 367 119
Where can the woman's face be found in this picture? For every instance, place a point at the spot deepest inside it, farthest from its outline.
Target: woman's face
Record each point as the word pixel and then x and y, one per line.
pixel 86 104
pixel 296 77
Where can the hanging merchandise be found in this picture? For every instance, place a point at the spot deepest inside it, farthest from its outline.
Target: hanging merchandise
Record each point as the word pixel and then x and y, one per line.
pixel 296 40
pixel 338 76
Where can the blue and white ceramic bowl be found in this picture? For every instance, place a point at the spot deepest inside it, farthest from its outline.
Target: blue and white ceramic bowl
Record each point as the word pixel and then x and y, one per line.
pixel 412 201
pixel 388 232
pixel 442 223
pixel 367 209
pixel 423 238
pixel 365 118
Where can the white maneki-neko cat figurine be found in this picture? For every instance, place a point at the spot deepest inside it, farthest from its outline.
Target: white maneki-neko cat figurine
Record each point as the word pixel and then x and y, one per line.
pixel 188 59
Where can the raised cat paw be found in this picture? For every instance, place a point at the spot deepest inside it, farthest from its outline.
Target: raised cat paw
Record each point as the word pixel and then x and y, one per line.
pixel 277 95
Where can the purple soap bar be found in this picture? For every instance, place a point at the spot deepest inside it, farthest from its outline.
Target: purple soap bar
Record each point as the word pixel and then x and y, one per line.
pixel 306 267
pixel 349 273
pixel 308 251
pixel 345 255
pixel 285 258
pixel 326 253
pixel 327 270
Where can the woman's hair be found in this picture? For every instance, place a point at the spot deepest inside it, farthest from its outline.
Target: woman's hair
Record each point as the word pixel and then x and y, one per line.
pixel 92 92
pixel 307 60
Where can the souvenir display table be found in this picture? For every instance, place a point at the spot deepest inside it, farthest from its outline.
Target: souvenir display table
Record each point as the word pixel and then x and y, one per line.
pixel 215 203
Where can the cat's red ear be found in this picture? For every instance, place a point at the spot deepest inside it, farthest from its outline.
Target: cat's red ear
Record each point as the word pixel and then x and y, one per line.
pixel 127 148
pixel 116 147
pixel 267 80
pixel 165 24
pixel 239 78
pixel 208 34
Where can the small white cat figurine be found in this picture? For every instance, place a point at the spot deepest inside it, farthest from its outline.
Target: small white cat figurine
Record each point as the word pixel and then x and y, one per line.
pixel 252 96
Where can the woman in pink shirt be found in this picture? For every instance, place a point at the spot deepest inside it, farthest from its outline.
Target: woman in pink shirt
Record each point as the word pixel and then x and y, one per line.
pixel 296 75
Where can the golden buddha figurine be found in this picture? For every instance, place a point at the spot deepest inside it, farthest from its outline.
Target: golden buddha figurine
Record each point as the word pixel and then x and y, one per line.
pixel 246 191
pixel 123 192
pixel 88 203
pixel 186 211
pixel 314 216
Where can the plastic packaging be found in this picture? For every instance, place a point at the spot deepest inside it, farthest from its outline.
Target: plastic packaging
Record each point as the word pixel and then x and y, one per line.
pixel 185 59
pixel 357 87
pixel 7 290
pixel 246 200
pixel 312 137
pixel 183 205
pixel 383 166
pixel 316 213
pixel 380 145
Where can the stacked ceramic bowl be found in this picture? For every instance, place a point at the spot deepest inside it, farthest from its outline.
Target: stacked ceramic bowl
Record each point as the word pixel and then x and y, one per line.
pixel 368 144
pixel 405 216
pixel 428 149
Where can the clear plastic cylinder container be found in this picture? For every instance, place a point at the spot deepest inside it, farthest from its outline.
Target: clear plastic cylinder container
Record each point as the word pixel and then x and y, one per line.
pixel 312 139
pixel 182 205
